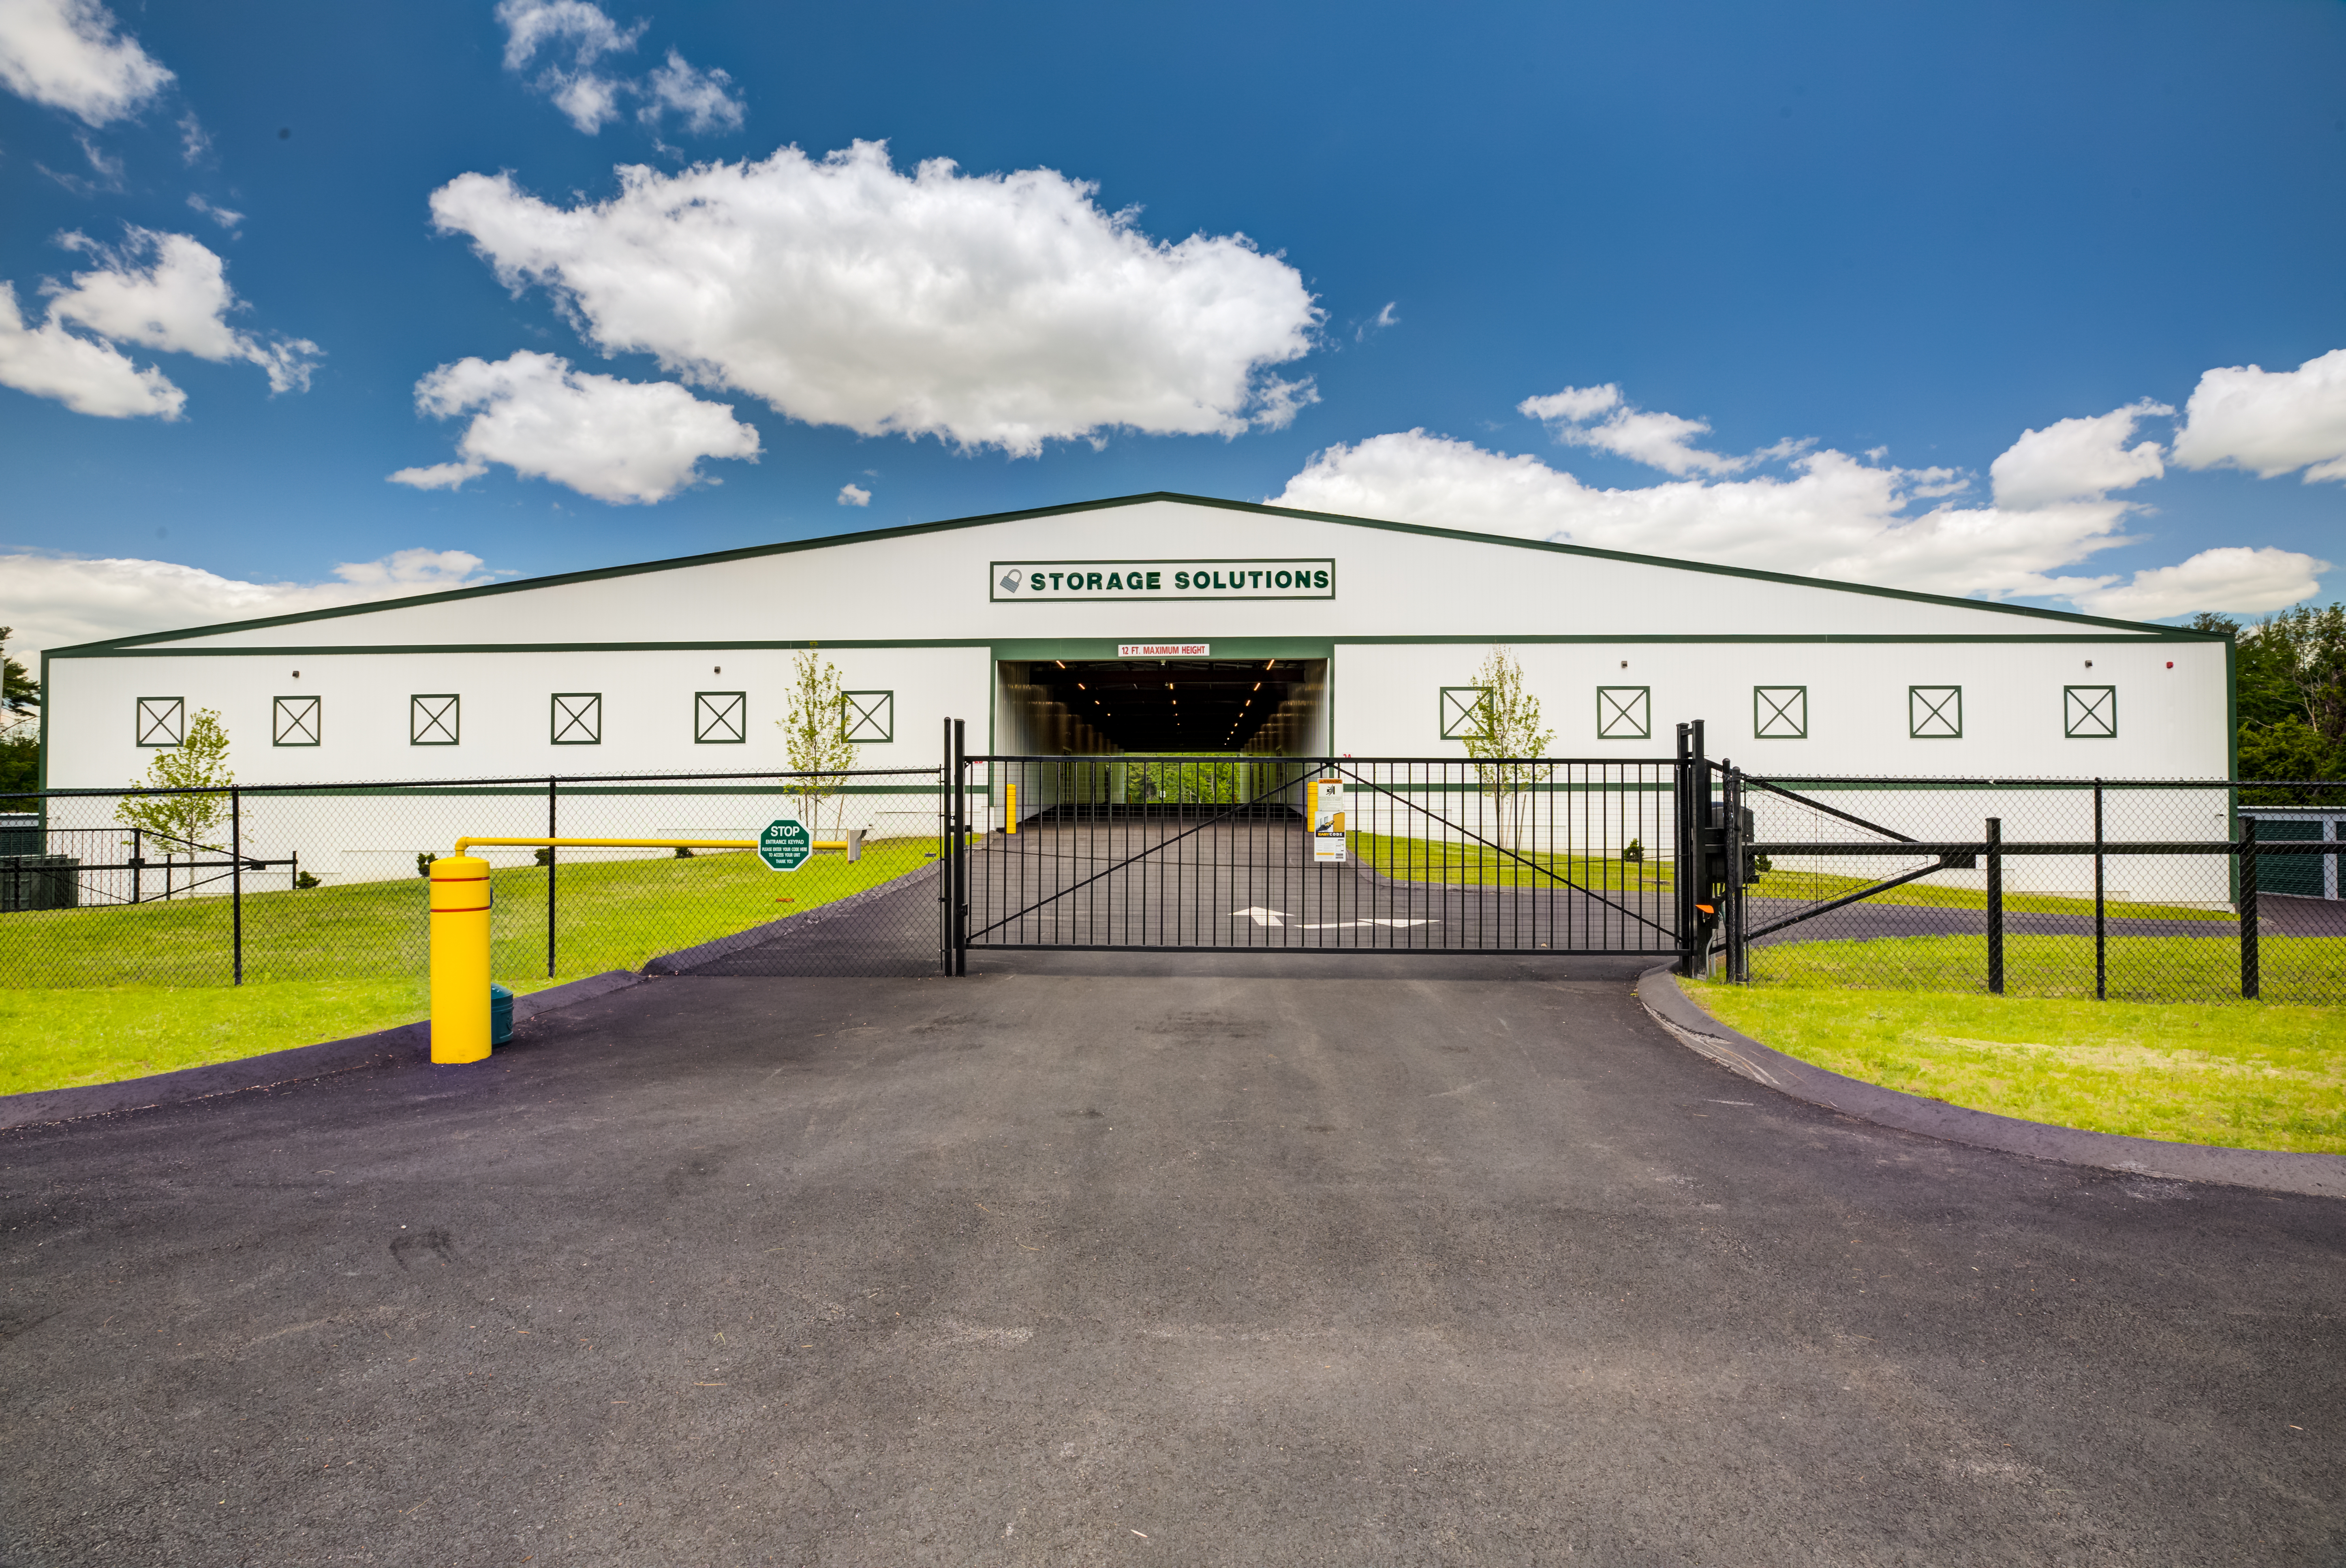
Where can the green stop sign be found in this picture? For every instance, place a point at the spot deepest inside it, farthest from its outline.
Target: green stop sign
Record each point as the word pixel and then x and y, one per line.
pixel 785 844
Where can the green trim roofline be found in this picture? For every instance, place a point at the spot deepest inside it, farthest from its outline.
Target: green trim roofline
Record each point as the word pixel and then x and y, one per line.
pixel 145 641
pixel 1103 648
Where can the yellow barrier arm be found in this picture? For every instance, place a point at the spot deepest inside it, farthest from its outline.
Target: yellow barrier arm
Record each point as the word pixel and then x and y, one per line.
pixel 463 845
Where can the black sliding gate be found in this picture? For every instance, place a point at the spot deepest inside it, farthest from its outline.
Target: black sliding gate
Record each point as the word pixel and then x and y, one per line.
pixel 1897 881
pixel 1188 853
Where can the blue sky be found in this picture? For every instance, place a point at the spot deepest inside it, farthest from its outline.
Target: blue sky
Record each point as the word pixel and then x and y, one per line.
pixel 1780 286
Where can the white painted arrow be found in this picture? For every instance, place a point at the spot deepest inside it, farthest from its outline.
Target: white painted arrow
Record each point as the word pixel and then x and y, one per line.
pixel 1341 924
pixel 1261 916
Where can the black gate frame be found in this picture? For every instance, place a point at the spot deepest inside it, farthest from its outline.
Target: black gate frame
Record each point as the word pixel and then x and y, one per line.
pixel 1694 850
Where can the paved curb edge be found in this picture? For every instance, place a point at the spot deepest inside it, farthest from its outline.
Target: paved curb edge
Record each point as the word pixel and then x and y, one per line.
pixel 408 1042
pixel 2318 1175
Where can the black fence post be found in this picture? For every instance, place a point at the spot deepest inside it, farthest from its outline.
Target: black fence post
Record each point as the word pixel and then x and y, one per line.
pixel 1698 867
pixel 551 855
pixel 2251 980
pixel 958 910
pixel 944 851
pixel 236 878
pixel 1738 959
pixel 2101 925
pixel 1995 907
pixel 138 863
pixel 1682 854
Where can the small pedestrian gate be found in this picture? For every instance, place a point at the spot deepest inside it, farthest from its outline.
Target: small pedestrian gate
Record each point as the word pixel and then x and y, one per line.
pixel 1339 854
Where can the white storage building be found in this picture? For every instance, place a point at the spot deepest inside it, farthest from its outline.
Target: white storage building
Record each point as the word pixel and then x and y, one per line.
pixel 1150 623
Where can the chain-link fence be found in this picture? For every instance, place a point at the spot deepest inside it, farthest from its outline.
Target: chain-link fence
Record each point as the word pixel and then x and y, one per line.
pixel 279 883
pixel 2130 889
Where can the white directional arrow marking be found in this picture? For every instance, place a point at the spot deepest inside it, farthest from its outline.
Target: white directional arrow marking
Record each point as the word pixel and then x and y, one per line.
pixel 1280 917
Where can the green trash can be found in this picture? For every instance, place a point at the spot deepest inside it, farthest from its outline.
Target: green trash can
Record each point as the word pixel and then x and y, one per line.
pixel 500 1015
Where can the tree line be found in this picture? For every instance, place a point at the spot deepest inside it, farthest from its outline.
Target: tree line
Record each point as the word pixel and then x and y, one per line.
pixel 2289 671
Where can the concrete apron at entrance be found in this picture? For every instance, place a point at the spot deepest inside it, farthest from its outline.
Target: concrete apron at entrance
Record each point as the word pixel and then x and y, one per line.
pixel 1233 1265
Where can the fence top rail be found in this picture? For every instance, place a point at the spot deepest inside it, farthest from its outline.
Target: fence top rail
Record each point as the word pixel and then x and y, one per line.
pixel 1217 760
pixel 1842 849
pixel 1949 781
pixel 505 781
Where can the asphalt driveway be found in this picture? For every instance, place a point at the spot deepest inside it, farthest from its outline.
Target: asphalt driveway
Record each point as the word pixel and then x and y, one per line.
pixel 1345 1260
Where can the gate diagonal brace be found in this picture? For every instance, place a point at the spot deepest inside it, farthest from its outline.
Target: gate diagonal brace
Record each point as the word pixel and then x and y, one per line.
pixel 1944 863
pixel 1223 815
pixel 1467 835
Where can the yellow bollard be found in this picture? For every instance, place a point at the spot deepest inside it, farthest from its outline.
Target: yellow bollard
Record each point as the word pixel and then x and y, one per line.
pixel 1011 816
pixel 460 959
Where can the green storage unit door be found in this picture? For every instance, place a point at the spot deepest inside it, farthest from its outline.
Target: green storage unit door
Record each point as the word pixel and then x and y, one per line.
pixel 39 882
pixel 2299 874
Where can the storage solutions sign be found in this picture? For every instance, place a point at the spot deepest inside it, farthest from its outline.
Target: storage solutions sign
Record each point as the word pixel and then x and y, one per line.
pixel 1161 580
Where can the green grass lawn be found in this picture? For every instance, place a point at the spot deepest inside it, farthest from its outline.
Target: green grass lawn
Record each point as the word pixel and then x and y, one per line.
pixel 1414 859
pixel 54 1038
pixel 93 995
pixel 1455 864
pixel 2240 1074
pixel 2303 969
pixel 1811 886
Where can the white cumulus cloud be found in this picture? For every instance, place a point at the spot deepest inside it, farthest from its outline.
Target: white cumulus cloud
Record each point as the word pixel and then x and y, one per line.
pixel 2233 577
pixel 170 291
pixel 226 218
pixel 1662 441
pixel 85 375
pixel 582 33
pixel 990 311
pixel 57 600
pixel 701 96
pixel 1832 516
pixel 2268 421
pixel 854 495
pixel 2078 457
pixel 67 54
pixel 590 100
pixel 1828 515
pixel 581 29
pixel 614 439
pixel 574 35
